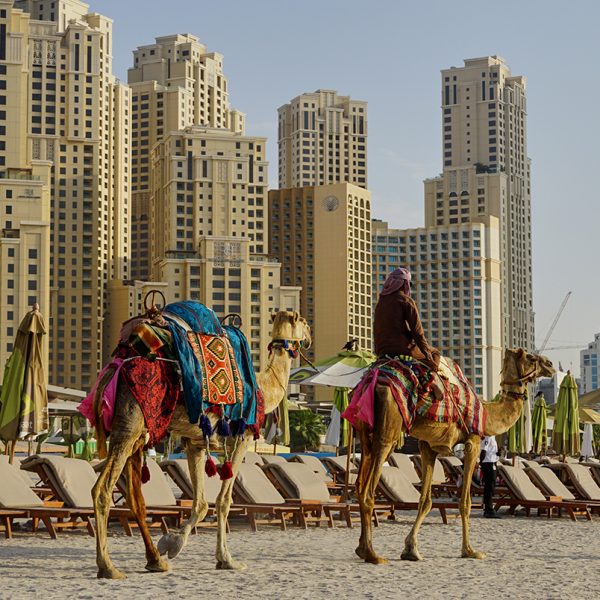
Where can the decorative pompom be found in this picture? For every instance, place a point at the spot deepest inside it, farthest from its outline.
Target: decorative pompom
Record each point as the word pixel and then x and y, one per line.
pixel 205 426
pixel 255 431
pixel 226 471
pixel 239 426
pixel 145 474
pixel 210 468
pixel 223 428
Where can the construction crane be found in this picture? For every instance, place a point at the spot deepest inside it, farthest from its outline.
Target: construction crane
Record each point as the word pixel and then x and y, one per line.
pixel 541 349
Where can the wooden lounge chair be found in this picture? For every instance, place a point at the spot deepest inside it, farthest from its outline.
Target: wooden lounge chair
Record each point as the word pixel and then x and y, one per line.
pixel 252 498
pixel 523 493
pixel 254 492
pixel 396 489
pixel 315 465
pixel 71 481
pixel 298 484
pixel 18 501
pixel 269 459
pixel 550 485
pixel 580 477
pixel 253 458
pixel 406 465
pixel 440 483
pixel 337 468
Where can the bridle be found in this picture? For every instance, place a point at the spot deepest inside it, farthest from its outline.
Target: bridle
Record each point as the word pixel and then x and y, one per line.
pixel 520 382
pixel 290 345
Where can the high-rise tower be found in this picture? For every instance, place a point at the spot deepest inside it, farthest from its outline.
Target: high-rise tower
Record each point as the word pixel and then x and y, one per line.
pixel 322 140
pixel 487 173
pixel 76 116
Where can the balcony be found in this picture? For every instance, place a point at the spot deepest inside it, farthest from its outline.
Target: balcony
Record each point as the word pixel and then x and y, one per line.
pixel 19 174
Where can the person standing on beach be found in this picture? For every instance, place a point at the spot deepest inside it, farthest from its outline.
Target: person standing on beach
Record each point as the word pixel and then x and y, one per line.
pixel 488 458
pixel 397 327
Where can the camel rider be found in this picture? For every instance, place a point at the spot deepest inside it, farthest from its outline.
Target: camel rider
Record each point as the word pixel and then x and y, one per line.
pixel 397 326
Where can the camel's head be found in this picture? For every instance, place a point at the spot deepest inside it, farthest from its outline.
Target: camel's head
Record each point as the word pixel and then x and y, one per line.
pixel 290 331
pixel 521 367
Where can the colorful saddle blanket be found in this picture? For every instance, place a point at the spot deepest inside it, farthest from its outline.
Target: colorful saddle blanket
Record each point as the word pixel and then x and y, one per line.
pixel 411 384
pixel 216 364
pixel 213 362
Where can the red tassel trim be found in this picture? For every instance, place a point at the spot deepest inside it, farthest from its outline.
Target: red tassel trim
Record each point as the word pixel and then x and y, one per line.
pixel 226 471
pixel 210 468
pixel 145 474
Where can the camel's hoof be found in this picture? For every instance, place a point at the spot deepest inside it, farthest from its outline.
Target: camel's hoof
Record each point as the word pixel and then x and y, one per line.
pixel 360 552
pixel 411 554
pixel 232 565
pixel 111 574
pixel 170 544
pixel 158 566
pixel 375 559
pixel 473 554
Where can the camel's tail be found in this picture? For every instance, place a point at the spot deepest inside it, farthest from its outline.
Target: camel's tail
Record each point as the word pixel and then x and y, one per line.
pixel 100 431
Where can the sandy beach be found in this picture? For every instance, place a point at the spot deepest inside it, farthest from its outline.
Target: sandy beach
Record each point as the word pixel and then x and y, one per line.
pixel 527 558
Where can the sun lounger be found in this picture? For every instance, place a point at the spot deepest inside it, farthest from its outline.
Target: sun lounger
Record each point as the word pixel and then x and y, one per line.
pixel 315 465
pixel 337 468
pixel 71 481
pixel 403 495
pixel 269 459
pixel 254 492
pixel 248 492
pixel 299 484
pixel 581 478
pixel 522 492
pixel 18 501
pixel 406 465
pixel 253 458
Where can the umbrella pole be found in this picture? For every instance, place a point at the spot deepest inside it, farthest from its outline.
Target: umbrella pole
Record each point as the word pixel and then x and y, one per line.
pixel 347 474
pixel 13 446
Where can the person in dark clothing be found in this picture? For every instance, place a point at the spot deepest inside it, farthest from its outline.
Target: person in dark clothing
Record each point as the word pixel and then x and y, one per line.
pixel 397 326
pixel 488 458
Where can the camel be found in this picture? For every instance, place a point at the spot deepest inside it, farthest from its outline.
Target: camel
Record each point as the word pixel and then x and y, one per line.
pixel 519 368
pixel 127 439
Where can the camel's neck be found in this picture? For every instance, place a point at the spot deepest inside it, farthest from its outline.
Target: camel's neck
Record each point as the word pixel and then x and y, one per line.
pixel 502 415
pixel 273 380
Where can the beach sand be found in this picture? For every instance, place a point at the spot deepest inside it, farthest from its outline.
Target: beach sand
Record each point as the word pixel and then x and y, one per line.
pixel 527 558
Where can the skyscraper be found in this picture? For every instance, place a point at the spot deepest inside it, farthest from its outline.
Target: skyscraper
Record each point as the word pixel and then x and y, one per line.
pixel 175 83
pixel 76 116
pixel 322 140
pixel 486 172
pixel 589 361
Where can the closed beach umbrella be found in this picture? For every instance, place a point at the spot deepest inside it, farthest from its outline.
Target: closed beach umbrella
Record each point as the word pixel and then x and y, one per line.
pixel 516 435
pixel 24 396
pixel 587 447
pixel 538 424
pixel 565 435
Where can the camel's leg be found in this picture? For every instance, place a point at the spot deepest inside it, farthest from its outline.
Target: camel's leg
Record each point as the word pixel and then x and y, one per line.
pixel 387 427
pixel 127 428
pixel 223 556
pixel 173 543
pixel 136 503
pixel 428 457
pixel 471 453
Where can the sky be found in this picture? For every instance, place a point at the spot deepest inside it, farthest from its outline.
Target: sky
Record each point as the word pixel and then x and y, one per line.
pixel 390 53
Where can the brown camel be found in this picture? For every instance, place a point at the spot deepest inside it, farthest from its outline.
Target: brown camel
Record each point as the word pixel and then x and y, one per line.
pixel 127 439
pixel 519 368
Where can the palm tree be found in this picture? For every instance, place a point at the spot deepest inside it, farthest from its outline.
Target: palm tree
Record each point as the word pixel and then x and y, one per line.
pixel 306 428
